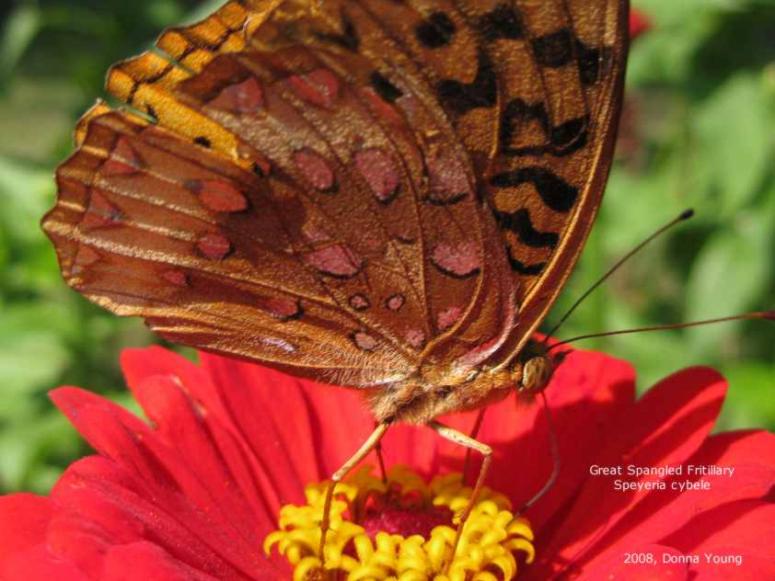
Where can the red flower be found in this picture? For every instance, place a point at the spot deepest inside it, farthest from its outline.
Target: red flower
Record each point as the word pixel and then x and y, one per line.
pixel 193 494
pixel 639 23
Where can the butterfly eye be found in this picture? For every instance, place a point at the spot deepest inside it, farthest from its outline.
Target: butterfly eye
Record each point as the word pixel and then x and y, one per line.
pixel 536 373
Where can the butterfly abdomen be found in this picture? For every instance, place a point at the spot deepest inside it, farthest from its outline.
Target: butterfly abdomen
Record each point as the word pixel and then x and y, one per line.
pixel 419 401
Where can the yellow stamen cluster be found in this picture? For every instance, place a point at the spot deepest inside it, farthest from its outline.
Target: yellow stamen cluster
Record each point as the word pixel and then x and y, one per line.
pixel 491 539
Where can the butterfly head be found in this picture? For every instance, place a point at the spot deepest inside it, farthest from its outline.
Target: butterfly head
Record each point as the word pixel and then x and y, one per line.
pixel 536 374
pixel 536 368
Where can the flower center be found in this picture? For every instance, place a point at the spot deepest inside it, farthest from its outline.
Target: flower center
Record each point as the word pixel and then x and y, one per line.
pixel 404 528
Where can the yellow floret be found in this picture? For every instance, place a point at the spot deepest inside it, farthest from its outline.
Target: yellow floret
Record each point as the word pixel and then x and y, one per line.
pixel 491 542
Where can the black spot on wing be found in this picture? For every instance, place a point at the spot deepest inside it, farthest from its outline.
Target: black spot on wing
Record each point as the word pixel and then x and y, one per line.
pixel 436 31
pixel 555 192
pixel 445 200
pixel 554 50
pixel 348 38
pixel 562 139
pixel 385 89
pixel 457 275
pixel 481 92
pixel 503 22
pixel 525 269
pixel 519 222
pixel 569 136
pixel 594 63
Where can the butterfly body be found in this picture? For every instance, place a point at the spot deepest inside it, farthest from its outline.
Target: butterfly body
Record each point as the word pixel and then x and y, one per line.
pixel 377 194
pixel 436 392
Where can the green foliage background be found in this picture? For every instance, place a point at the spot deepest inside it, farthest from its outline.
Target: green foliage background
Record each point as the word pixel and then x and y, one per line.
pixel 698 131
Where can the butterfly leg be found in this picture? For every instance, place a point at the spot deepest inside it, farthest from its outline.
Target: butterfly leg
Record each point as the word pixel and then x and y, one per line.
pixel 472 435
pixel 371 442
pixel 380 460
pixel 461 439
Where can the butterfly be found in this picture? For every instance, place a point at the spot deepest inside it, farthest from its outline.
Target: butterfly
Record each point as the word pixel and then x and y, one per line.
pixel 386 195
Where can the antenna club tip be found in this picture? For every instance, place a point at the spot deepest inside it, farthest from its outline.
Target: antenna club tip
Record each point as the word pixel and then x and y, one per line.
pixel 686 214
pixel 768 315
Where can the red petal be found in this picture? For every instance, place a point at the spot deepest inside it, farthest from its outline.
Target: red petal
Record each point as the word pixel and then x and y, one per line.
pixel 639 23
pixel 140 364
pixel 666 564
pixel 23 522
pixel 111 430
pixel 38 564
pixel 738 529
pixel 160 476
pixel 673 516
pixel 104 505
pixel 192 431
pixel 294 426
pixel 587 391
pixel 144 561
pixel 664 428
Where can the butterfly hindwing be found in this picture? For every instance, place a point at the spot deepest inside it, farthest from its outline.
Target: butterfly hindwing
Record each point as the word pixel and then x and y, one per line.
pixel 327 213
pixel 199 252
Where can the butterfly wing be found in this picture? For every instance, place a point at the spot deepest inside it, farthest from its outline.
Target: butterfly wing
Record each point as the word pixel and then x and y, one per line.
pixel 147 225
pixel 277 206
pixel 347 190
pixel 532 91
pixel 559 147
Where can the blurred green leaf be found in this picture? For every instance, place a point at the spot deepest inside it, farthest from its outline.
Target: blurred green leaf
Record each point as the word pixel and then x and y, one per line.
pixel 665 53
pixel 32 352
pixel 37 116
pixel 18 31
pixel 735 141
pixel 25 191
pixel 734 269
pixel 745 406
pixel 32 452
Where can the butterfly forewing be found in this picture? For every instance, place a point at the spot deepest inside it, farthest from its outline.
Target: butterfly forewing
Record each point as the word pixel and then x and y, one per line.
pixel 347 189
pixel 531 90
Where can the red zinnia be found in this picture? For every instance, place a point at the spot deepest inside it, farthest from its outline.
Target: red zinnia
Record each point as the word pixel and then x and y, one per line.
pixel 194 494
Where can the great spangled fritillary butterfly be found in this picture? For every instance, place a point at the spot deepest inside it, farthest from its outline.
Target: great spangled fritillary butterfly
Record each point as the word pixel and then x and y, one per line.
pixel 380 194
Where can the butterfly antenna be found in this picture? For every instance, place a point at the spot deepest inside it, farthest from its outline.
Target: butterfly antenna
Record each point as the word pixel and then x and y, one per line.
pixel 685 215
pixel 763 315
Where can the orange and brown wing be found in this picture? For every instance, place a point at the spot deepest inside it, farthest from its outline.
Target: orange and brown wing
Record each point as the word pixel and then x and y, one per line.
pixel 531 91
pixel 347 189
pixel 147 224
pixel 556 137
pixel 278 205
